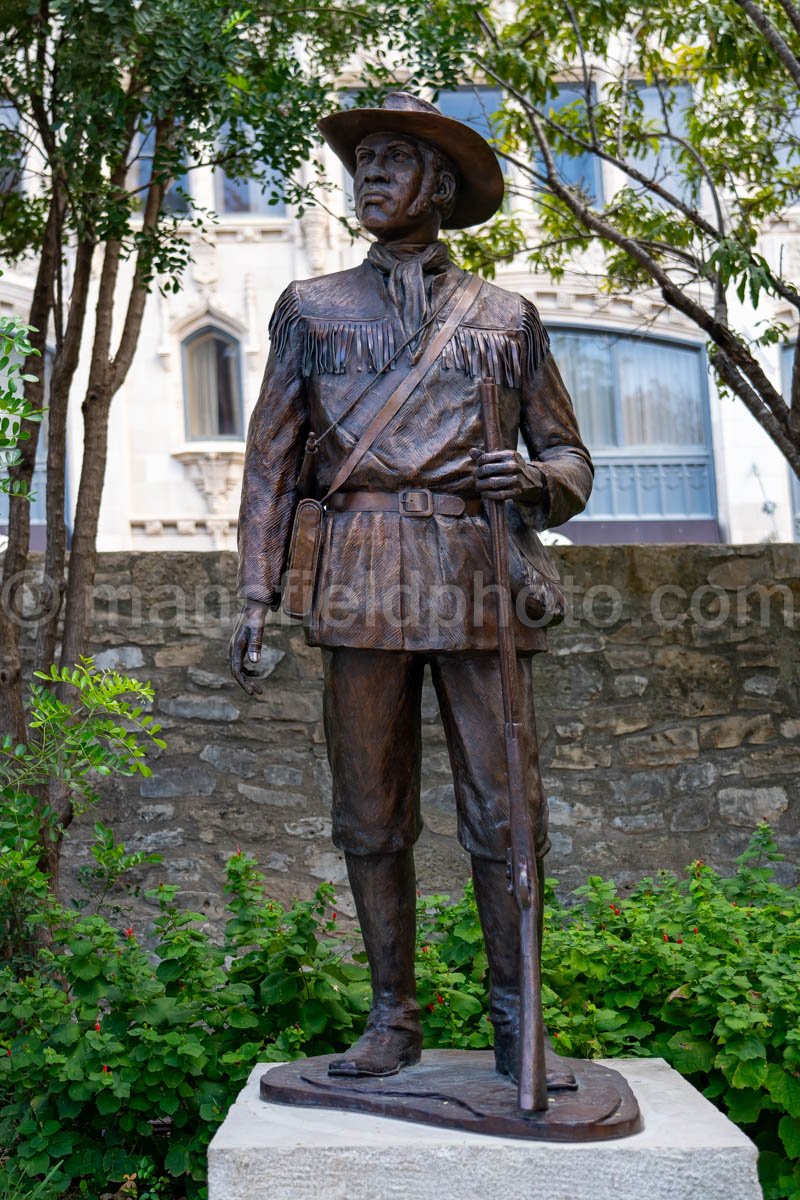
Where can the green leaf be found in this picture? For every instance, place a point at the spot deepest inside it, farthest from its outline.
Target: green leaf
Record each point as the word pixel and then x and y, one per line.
pixel 789 1130
pixel 691 1055
pixel 784 1088
pixel 463 1003
pixel 278 988
pixel 749 1074
pixel 177 1160
pixel 743 1106
pixel 314 1016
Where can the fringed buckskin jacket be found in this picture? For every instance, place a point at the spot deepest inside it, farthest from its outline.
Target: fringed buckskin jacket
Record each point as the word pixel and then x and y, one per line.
pixel 387 580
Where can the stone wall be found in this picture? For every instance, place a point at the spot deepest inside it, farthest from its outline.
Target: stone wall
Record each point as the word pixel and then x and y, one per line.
pixel 669 711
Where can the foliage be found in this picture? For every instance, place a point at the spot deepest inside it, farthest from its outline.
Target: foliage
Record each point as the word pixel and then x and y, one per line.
pixel 107 108
pixel 14 409
pixel 101 731
pixel 89 727
pixel 104 88
pixel 704 162
pixel 120 1058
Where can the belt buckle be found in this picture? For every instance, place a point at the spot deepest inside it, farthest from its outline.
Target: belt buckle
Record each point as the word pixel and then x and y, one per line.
pixel 416 502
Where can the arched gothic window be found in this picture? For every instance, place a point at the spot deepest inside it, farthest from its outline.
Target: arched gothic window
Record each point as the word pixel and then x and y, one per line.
pixel 213 385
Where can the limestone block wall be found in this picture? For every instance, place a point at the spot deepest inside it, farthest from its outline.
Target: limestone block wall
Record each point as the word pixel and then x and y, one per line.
pixel 669 714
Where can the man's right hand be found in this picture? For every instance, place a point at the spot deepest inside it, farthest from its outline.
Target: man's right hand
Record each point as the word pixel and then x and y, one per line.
pixel 245 646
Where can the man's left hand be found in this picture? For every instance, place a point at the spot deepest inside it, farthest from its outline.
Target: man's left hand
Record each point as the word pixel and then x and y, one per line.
pixel 506 475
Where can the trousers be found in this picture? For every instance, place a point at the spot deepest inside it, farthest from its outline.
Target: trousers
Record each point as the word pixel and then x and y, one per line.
pixel 373 729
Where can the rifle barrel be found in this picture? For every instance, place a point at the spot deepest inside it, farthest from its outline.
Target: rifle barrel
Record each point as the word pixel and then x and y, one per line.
pixel 532 1095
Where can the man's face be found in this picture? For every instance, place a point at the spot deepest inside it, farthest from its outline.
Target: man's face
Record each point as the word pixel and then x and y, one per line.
pixel 389 172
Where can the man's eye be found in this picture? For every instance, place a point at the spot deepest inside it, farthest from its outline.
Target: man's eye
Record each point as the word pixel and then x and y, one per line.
pixel 400 156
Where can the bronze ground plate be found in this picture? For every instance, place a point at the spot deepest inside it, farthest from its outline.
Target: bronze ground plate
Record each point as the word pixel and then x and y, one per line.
pixel 460 1089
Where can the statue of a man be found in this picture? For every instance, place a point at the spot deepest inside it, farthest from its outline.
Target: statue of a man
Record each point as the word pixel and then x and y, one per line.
pixel 409 524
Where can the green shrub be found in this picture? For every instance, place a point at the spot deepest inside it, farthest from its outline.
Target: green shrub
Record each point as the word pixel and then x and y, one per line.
pixel 122 1049
pixel 119 1060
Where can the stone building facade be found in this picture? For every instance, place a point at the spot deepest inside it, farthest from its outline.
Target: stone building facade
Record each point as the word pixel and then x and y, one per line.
pixel 675 461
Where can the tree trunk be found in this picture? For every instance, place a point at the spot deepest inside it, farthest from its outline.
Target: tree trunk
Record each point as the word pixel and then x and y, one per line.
pixel 53 584
pixel 83 552
pixel 12 718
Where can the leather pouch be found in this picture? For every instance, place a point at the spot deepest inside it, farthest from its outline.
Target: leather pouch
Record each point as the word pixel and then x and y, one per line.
pixel 532 574
pixel 304 553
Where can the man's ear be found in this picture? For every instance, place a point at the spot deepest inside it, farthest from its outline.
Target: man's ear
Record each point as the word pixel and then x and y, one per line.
pixel 445 193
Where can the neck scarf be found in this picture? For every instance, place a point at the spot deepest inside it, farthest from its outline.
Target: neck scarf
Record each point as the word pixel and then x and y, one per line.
pixel 410 270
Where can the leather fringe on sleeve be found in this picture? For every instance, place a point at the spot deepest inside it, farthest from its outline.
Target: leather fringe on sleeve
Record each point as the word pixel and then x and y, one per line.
pixel 534 337
pixel 285 318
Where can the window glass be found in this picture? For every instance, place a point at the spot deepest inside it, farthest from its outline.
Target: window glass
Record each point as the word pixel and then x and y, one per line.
pixel 586 364
pixel 11 150
pixel 175 198
pixel 582 171
pixel 213 385
pixel 662 164
pixel 632 391
pixel 641 406
pixel 660 396
pixel 243 196
pixel 240 196
pixel 473 106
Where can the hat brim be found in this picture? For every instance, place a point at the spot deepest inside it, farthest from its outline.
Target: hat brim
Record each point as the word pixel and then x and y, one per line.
pixel 480 185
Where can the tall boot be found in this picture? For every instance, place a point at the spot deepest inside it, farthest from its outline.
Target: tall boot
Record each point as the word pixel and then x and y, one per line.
pixel 499 917
pixel 384 890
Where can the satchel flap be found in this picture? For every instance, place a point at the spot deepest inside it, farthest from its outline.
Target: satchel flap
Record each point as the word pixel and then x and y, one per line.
pixel 306 541
pixel 529 544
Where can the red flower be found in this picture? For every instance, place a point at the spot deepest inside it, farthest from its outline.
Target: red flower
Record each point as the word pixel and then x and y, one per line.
pixel 105 1069
pixel 666 939
pixel 680 941
pixel 238 852
pixel 440 999
pixel 430 1008
pixel 333 916
pixel 129 932
pixel 8 1052
pixel 695 930
pixel 97 1027
pixel 556 1033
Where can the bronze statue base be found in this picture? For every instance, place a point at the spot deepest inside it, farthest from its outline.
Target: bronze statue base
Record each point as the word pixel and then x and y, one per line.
pixel 460 1089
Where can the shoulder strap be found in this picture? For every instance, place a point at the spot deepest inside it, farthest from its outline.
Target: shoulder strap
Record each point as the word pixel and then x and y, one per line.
pixel 408 384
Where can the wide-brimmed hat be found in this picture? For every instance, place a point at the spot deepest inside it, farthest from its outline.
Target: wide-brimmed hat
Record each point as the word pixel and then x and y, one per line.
pixel 480 186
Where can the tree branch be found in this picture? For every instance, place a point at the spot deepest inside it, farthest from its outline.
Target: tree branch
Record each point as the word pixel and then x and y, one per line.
pixel 120 365
pixel 731 376
pixel 792 12
pixel 652 185
pixel 771 35
pixel 719 333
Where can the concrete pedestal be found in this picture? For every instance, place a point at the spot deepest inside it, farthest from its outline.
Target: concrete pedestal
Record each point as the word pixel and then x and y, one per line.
pixel 687 1151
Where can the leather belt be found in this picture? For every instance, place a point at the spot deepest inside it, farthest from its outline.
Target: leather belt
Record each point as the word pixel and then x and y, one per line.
pixel 411 502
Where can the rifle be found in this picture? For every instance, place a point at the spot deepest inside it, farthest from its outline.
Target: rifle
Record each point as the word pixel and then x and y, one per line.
pixel 522 866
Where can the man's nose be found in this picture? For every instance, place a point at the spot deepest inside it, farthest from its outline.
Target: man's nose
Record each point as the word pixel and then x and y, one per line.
pixel 375 172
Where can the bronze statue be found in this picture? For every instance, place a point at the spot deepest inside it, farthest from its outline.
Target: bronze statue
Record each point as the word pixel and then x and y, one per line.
pixel 371 436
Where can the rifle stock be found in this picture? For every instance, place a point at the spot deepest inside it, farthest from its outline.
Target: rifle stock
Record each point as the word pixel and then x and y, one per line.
pixel 523 869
